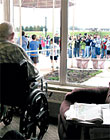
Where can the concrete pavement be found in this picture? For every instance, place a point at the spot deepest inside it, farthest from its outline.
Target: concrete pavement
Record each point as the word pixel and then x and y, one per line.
pixel 101 79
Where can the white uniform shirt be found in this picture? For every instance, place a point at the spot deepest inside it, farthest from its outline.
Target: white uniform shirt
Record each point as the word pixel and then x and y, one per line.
pixel 53 49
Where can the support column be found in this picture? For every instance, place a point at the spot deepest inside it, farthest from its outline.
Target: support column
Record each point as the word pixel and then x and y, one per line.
pixel 20 25
pixel 6 10
pixel 53 16
pixel 12 12
pixel 64 39
pixel 73 33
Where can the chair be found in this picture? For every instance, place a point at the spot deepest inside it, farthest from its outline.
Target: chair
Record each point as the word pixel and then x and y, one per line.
pixel 68 130
pixel 29 95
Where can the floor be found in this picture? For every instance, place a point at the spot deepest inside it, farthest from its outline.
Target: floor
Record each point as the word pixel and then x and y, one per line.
pixel 51 134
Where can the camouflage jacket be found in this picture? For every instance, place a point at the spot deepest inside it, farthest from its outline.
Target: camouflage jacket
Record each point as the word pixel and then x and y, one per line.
pixel 12 53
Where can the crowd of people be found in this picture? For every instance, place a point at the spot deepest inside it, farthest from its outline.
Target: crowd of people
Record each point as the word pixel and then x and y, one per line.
pixel 34 45
pixel 89 46
pixel 84 46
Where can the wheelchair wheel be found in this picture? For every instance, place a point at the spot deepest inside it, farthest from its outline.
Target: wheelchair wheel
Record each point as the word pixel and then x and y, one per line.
pixel 2 111
pixel 40 102
pixel 7 117
pixel 43 124
pixel 24 121
pixel 36 115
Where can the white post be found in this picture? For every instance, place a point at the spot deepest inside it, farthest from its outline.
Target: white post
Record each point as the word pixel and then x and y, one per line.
pixel 53 32
pixel 20 23
pixel 12 12
pixel 64 39
pixel 73 34
pixel 6 10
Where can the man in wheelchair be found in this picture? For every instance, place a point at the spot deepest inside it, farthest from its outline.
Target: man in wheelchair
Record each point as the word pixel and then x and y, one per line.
pixel 21 87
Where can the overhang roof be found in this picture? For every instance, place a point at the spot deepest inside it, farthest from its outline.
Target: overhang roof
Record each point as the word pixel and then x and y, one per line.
pixel 40 3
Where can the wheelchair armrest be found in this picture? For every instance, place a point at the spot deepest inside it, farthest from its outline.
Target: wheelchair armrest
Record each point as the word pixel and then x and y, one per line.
pixel 38 77
pixel 23 62
pixel 38 83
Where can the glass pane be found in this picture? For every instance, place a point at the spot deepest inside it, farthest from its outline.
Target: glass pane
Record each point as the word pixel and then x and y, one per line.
pixel 43 20
pixel 89 55
pixel 53 55
pixel 16 22
pixel 1 11
pixel 71 32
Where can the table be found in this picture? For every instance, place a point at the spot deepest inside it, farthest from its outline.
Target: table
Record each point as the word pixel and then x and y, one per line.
pixel 86 126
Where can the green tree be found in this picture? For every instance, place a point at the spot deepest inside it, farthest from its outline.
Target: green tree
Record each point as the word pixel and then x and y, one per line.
pixel 26 28
pixel 23 28
pixel 38 28
pixel 41 28
pixel 17 29
pixel 30 28
pixel 35 28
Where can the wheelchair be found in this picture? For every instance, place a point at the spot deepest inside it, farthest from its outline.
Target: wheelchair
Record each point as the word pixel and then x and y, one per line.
pixel 29 96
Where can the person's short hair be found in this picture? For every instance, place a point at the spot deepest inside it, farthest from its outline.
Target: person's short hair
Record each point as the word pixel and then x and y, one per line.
pixel 51 39
pixel 23 33
pixel 6 30
pixel 33 37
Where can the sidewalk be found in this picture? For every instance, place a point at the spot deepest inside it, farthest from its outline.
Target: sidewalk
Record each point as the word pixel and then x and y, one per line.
pixel 101 79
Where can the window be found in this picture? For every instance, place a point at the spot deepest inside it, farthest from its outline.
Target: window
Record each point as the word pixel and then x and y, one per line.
pixel 1 11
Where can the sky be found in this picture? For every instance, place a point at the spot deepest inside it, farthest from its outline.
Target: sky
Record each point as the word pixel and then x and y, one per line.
pixel 37 17
pixel 92 13
pixel 87 13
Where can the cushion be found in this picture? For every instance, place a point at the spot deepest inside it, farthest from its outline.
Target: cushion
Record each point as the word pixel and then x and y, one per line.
pixel 95 95
pixel 108 95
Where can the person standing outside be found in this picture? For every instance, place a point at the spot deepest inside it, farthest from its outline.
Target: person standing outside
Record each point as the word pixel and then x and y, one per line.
pixel 93 47
pixel 98 46
pixel 70 47
pixel 104 47
pixel 87 48
pixel 34 46
pixel 77 46
pixel 83 44
pixel 53 52
pixel 40 46
pixel 47 45
pixel 43 45
pixel 56 40
pixel 24 41
pixel 108 47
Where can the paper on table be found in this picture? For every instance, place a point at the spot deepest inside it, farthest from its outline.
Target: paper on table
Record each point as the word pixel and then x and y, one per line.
pixel 84 112
pixel 106 116
pixel 104 106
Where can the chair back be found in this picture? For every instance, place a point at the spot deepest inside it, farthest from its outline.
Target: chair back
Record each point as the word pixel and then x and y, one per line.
pixel 13 84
